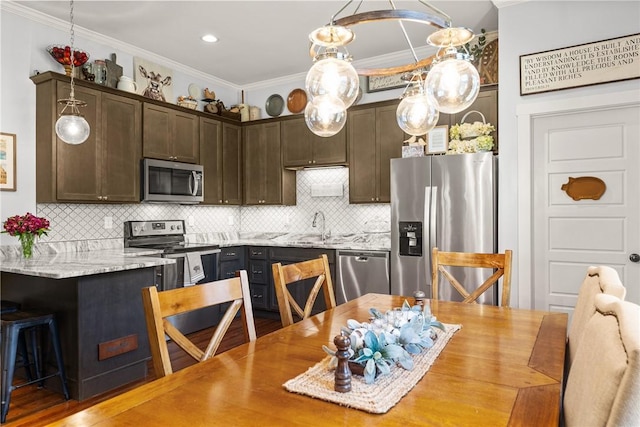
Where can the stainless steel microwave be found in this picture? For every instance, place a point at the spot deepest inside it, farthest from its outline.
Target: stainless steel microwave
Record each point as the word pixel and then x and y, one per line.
pixel 171 182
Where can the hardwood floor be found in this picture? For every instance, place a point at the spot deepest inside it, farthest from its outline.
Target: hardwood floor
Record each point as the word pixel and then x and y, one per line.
pixel 35 407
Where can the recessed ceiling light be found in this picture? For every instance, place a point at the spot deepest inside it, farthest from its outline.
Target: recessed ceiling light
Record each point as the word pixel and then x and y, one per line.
pixel 209 38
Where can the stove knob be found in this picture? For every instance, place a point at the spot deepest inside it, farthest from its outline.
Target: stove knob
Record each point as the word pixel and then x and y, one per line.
pixel 179 227
pixel 173 227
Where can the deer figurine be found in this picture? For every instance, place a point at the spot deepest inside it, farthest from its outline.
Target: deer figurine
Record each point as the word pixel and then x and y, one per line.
pixel 154 84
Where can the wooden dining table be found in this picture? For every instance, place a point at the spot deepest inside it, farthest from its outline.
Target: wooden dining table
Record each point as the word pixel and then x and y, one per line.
pixel 503 367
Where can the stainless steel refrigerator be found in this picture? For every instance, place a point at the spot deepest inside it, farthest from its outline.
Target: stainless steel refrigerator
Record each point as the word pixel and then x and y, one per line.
pixel 445 201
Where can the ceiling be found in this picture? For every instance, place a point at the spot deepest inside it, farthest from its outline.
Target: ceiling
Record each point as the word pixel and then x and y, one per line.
pixel 258 40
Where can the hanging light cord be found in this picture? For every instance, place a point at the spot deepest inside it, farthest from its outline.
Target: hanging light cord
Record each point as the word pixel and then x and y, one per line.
pixel 72 39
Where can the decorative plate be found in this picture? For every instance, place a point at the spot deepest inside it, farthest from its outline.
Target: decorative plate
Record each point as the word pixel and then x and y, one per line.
pixel 194 91
pixel 274 105
pixel 297 101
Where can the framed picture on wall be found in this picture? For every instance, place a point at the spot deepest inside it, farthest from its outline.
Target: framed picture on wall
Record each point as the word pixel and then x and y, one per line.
pixel 378 83
pixel 438 140
pixel 7 161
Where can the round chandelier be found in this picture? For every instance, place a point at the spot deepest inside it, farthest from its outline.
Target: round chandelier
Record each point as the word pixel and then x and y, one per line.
pixel 451 85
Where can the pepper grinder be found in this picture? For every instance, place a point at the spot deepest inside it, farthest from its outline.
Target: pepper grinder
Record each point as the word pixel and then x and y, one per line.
pixel 343 373
pixel 419 297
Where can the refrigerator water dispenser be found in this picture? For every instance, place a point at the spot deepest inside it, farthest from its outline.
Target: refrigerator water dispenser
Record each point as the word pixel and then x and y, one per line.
pixel 410 237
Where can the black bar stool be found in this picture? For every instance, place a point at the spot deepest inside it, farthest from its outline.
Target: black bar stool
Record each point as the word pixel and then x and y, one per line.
pixel 28 321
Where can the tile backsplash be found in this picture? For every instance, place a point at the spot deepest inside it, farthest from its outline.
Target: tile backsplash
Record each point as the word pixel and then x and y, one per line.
pixel 87 221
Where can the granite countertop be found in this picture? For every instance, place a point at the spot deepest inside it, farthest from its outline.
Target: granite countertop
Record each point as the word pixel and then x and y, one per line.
pixel 360 241
pixel 75 264
pixel 60 260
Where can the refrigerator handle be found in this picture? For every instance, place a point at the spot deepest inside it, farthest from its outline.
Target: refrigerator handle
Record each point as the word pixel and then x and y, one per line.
pixel 432 194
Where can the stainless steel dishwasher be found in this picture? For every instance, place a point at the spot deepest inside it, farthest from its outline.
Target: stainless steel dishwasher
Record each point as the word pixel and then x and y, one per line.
pixel 361 272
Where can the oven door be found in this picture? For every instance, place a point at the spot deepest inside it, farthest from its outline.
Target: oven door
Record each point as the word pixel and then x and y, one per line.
pixel 197 319
pixel 176 274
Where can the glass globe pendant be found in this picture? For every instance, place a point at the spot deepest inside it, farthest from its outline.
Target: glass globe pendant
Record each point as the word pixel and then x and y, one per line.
pixel 417 113
pixel 72 129
pixel 335 76
pixel 453 83
pixel 325 115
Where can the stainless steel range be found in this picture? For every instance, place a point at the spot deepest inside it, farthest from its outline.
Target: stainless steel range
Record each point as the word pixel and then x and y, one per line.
pixel 168 236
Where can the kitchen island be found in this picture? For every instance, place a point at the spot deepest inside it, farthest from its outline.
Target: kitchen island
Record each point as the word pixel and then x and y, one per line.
pixel 92 293
pixel 94 288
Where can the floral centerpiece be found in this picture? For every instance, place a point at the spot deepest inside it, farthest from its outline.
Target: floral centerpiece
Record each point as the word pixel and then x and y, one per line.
pixel 470 137
pixel 27 227
pixel 388 340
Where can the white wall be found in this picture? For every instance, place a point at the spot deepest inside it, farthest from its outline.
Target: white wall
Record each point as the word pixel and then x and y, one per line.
pixel 24 37
pixel 536 26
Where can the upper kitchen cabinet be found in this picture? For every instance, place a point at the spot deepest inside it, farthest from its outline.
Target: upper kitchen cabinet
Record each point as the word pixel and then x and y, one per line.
pixel 486 103
pixel 374 139
pixel 221 157
pixel 106 167
pixel 302 148
pixel 170 134
pixel 266 182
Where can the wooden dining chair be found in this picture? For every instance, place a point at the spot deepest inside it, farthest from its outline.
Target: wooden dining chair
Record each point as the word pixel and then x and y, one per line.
pixel 598 280
pixel 501 263
pixel 286 275
pixel 603 387
pixel 158 306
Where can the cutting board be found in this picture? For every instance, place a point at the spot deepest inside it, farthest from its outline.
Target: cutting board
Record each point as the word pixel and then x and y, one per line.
pixel 114 71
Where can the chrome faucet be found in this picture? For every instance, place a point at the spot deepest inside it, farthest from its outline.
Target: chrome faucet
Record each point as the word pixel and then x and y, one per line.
pixel 323 235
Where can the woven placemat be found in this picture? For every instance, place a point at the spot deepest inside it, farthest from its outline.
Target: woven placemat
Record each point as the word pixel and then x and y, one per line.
pixel 377 398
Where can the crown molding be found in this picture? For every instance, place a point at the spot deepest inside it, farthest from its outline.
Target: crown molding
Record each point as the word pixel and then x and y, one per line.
pixel 59 24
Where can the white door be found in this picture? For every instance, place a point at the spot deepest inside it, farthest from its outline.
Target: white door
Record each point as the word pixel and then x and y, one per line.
pixel 570 235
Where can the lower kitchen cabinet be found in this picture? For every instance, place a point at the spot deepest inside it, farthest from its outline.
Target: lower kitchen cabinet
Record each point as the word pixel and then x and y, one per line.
pixel 101 321
pixel 259 272
pixel 300 292
pixel 231 259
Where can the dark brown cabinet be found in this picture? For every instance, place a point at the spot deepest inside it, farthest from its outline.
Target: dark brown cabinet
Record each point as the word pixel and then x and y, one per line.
pixel 486 103
pixel 266 182
pixel 374 139
pixel 302 148
pixel 106 167
pixel 170 134
pixel 221 157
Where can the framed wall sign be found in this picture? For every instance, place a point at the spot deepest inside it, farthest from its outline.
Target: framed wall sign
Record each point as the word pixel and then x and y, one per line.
pixel 438 140
pixel 378 83
pixel 7 161
pixel 587 64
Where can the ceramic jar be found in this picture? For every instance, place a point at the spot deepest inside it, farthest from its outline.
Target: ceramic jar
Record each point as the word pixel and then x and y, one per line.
pixel 126 84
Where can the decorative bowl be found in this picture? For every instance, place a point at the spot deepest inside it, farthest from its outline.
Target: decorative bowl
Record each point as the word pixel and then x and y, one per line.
pixel 62 55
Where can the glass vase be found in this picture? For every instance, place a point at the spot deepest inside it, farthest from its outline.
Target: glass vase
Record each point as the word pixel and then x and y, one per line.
pixel 26 241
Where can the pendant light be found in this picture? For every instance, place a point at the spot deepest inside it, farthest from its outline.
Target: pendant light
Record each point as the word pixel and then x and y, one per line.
pixel 325 115
pixel 71 127
pixel 453 81
pixel 417 113
pixel 331 83
pixel 451 85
